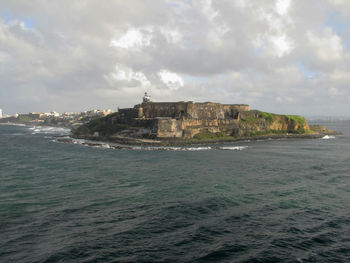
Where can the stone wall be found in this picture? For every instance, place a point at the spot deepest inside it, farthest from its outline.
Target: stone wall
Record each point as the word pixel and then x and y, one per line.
pixel 183 119
pixel 173 128
pixel 127 115
pixel 164 109
pixel 190 110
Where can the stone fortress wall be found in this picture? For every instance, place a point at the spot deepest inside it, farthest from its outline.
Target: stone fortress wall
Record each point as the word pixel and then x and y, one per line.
pixel 190 110
pixel 183 119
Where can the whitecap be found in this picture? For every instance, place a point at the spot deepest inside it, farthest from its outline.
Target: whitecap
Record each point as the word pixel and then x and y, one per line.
pixel 328 137
pixel 197 148
pixel 50 130
pixel 172 148
pixel 233 148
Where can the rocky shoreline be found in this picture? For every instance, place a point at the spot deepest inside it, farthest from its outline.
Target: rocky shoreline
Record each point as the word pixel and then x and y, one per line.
pixel 123 142
pixel 129 141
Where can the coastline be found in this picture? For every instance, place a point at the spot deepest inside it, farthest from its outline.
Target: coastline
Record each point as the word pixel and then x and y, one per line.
pixel 128 141
pixel 121 142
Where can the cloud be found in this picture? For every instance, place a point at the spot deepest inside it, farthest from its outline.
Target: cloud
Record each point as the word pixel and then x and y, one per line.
pixel 282 7
pixel 133 38
pixel 83 54
pixel 327 45
pixel 172 80
pixel 126 77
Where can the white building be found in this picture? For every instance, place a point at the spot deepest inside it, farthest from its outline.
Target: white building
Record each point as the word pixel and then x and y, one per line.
pixel 0 113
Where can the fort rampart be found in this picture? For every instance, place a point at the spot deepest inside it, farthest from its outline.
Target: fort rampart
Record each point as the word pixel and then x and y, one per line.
pixel 183 119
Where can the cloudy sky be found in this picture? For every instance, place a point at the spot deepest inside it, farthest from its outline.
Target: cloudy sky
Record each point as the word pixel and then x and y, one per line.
pixel 283 56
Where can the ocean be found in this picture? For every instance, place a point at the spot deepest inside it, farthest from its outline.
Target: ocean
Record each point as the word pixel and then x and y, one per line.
pixel 284 200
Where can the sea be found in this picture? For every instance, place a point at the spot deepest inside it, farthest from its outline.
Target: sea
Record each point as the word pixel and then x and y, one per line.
pixel 285 200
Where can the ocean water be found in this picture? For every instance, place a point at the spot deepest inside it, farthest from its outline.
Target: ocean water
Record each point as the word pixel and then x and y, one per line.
pixel 252 201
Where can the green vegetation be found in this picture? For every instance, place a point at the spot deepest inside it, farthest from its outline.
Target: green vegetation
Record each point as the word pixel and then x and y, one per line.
pixel 296 118
pixel 249 116
pixel 254 116
pixel 281 132
pixel 22 118
pixel 103 126
pixel 208 136
pixel 269 117
pixel 211 136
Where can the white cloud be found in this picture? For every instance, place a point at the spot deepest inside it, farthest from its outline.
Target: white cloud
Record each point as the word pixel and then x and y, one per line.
pixel 327 45
pixel 126 75
pixel 246 51
pixel 282 7
pixel 172 80
pixel 282 45
pixel 133 38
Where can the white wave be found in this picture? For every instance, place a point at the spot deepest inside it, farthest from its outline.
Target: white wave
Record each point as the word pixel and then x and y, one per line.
pixel 233 148
pixel 328 137
pixel 137 148
pixel 197 148
pixel 88 143
pixel 172 148
pixel 50 130
pixel 78 141
pixel 104 145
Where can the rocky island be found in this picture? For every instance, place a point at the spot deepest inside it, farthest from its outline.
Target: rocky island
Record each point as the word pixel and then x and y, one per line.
pixel 179 123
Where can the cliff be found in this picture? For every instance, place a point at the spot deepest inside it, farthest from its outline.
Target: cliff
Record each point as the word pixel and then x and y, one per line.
pixel 190 122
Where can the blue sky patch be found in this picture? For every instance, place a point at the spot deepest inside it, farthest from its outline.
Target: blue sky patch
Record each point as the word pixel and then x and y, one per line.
pixel 8 17
pixel 305 70
pixel 337 22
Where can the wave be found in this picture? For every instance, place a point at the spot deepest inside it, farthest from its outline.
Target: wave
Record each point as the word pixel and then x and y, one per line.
pixel 234 148
pixel 67 139
pixel 49 130
pixel 328 137
pixel 197 148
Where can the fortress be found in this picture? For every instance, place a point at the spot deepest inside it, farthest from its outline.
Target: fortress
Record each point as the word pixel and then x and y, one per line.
pixel 187 120
pixel 181 119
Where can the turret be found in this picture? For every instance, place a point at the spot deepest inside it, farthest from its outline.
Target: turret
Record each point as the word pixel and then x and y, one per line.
pixel 146 98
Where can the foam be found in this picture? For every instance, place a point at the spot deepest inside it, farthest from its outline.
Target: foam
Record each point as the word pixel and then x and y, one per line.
pixel 233 148
pixel 328 137
pixel 197 148
pixel 49 130
pixel 95 144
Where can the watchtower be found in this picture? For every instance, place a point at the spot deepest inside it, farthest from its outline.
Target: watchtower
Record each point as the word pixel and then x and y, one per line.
pixel 146 98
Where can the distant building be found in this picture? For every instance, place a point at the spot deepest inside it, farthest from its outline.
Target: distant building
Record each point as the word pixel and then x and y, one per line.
pixel 51 114
pixel 35 115
pixel 0 113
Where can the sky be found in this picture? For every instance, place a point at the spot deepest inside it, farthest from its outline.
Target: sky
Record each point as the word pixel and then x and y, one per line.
pixel 281 56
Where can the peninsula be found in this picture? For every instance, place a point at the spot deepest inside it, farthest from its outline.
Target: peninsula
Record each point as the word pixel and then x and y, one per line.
pixel 174 123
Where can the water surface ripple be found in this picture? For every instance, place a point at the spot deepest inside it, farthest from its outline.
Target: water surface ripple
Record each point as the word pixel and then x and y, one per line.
pixel 273 201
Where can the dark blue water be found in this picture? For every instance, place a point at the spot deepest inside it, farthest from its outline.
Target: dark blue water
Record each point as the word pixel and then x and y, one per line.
pixel 274 201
